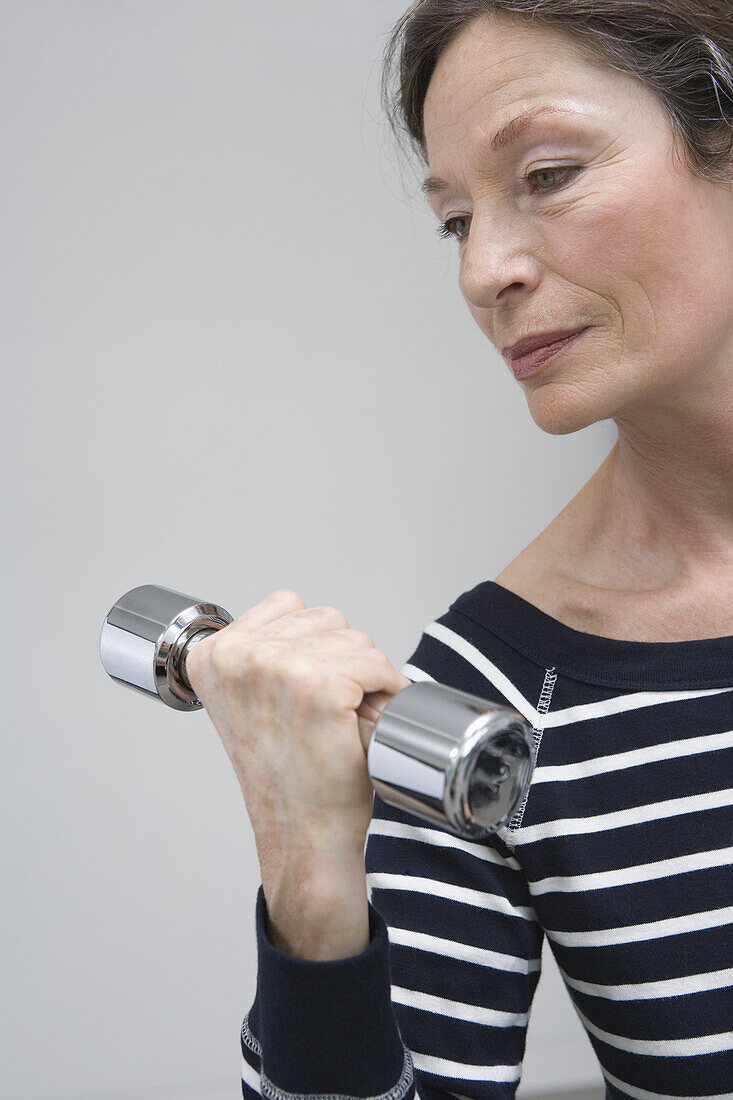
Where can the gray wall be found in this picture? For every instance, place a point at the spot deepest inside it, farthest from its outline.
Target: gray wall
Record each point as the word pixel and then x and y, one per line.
pixel 235 358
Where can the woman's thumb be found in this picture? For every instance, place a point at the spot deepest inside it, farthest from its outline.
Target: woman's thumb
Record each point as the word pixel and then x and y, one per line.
pixel 371 710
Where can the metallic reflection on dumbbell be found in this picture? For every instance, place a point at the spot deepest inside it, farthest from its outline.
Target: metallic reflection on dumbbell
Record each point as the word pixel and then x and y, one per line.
pixel 442 754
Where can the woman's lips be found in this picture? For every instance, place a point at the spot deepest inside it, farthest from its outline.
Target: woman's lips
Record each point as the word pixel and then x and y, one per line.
pixel 536 360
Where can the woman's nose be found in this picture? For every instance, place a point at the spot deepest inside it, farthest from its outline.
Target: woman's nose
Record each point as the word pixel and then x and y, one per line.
pixel 494 268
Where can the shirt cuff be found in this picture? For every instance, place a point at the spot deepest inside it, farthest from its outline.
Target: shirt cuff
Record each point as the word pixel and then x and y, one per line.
pixel 328 1027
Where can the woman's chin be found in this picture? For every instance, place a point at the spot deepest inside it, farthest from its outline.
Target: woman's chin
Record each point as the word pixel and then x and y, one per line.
pixel 561 409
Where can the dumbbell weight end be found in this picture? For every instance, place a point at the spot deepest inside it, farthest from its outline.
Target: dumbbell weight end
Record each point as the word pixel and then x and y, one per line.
pixel 145 637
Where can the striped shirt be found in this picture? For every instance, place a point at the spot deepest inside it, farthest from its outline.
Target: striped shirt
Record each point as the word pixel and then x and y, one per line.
pixel 621 856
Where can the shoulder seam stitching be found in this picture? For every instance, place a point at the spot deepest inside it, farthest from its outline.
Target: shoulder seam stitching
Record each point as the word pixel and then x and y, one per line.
pixel 542 708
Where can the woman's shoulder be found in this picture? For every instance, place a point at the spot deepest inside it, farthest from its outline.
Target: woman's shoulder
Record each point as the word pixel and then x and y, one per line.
pixel 551 575
pixel 533 577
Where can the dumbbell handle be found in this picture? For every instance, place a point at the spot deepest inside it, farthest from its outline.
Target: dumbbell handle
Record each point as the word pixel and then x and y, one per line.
pixel 442 754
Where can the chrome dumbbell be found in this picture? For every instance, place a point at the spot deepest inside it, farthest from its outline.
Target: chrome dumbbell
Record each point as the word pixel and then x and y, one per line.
pixel 436 752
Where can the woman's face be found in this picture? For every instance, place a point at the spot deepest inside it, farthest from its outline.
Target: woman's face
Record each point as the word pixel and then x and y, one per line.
pixel 631 243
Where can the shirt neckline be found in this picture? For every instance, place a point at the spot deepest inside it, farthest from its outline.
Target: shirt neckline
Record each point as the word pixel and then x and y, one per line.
pixel 611 662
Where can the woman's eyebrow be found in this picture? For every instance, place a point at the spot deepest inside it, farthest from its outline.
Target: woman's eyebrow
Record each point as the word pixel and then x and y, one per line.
pixel 504 137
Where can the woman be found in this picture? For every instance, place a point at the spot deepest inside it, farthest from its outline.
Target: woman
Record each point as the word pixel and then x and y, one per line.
pixel 408 968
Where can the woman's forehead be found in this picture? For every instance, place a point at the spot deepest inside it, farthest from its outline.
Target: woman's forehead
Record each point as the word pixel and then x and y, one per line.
pixel 493 68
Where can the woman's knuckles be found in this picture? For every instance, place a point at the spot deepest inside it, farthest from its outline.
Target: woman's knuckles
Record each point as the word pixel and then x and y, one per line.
pixel 235 657
pixel 332 614
pixel 320 673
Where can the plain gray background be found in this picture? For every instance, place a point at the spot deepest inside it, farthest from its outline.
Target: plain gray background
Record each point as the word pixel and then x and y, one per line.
pixel 235 359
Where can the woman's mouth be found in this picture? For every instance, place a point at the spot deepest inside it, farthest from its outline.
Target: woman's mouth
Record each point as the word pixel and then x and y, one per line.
pixel 533 363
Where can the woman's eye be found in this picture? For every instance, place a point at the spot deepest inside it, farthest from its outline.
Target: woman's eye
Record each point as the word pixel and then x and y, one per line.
pixel 553 170
pixel 447 230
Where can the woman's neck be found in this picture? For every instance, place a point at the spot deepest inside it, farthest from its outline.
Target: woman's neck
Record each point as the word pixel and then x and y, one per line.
pixel 644 550
pixel 659 510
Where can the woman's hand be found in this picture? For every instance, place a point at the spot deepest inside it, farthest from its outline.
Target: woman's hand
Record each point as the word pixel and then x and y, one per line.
pixel 295 694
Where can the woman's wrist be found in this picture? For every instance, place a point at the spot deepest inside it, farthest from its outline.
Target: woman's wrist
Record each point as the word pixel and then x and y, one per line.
pixel 316 911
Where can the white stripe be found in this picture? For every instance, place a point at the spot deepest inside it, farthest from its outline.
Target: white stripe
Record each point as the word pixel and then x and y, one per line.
pixel 618 819
pixel 383 827
pixel 645 1094
pixel 620 704
pixel 623 876
pixel 251 1077
pixel 452 949
pixel 654 930
pixel 464 1072
pixel 458 1010
pixel 419 675
pixel 487 669
pixel 439 889
pixel 645 991
pixel 669 750
pixel 662 1048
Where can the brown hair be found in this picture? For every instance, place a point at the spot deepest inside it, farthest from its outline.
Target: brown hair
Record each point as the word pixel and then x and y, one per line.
pixel 682 50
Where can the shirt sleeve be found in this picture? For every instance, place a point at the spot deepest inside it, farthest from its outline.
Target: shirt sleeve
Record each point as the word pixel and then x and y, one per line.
pixel 323 1029
pixel 439 1002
